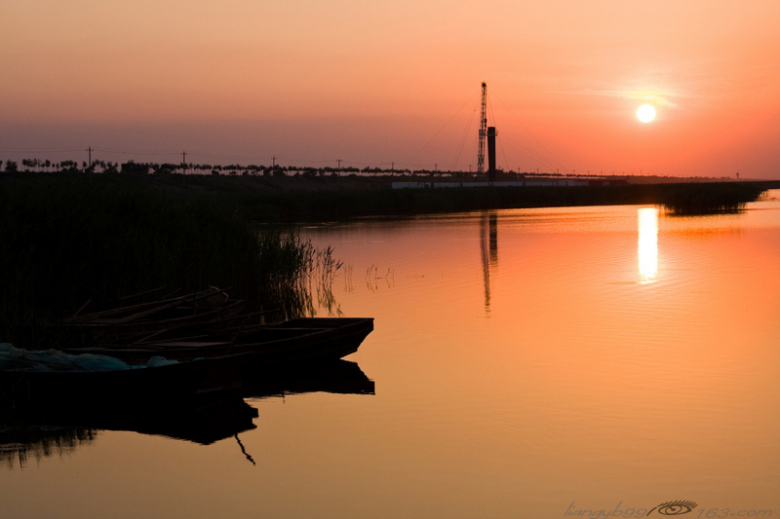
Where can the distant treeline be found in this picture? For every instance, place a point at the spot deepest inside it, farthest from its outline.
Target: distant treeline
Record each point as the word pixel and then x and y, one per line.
pixel 275 170
pixel 157 168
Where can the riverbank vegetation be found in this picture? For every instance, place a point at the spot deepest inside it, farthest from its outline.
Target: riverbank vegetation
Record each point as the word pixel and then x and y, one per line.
pixel 286 199
pixel 323 205
pixel 76 239
pixel 715 198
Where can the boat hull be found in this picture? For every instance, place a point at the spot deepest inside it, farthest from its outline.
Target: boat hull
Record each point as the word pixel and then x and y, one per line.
pixel 186 383
pixel 250 349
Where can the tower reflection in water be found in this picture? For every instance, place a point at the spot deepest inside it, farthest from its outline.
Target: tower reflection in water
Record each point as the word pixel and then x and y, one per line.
pixel 648 244
pixel 647 247
pixel 488 240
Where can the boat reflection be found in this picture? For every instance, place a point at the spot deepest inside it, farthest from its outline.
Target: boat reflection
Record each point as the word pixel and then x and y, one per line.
pixel 338 376
pixel 58 427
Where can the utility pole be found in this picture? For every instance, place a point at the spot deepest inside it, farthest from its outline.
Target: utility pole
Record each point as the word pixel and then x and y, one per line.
pixel 482 132
pixel 89 151
pixel 184 162
pixel 339 161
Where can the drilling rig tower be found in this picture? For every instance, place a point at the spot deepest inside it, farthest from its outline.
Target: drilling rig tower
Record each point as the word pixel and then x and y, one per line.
pixel 482 133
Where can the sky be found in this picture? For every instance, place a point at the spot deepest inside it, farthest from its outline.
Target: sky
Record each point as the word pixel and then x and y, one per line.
pixel 381 84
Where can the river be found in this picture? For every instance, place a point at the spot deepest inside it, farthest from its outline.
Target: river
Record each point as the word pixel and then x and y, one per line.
pixel 529 363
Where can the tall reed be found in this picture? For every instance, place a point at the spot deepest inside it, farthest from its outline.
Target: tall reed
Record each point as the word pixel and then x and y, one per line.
pixel 294 272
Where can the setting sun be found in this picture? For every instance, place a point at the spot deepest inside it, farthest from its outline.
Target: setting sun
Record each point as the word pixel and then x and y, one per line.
pixel 645 113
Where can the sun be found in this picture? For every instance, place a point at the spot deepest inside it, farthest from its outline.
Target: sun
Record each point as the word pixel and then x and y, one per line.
pixel 645 113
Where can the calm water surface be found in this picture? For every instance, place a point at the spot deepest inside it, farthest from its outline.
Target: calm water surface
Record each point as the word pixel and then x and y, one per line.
pixel 528 363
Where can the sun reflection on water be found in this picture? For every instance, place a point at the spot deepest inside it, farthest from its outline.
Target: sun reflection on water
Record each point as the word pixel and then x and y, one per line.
pixel 648 244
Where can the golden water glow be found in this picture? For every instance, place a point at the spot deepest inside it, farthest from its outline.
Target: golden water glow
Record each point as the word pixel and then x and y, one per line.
pixel 648 243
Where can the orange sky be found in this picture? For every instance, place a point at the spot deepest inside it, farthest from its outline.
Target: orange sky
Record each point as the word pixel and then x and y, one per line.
pixel 313 81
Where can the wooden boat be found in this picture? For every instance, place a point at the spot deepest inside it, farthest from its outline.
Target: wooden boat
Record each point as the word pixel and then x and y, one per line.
pixel 130 305
pixel 94 382
pixel 129 323
pixel 256 347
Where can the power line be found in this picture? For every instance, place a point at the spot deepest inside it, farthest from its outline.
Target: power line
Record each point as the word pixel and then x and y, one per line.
pixel 463 139
pixel 541 144
pixel 444 126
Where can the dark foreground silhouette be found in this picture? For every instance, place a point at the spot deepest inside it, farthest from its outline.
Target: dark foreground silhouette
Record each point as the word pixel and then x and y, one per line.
pixel 59 426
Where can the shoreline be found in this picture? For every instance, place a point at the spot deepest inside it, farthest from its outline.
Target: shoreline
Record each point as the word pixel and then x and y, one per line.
pixel 301 199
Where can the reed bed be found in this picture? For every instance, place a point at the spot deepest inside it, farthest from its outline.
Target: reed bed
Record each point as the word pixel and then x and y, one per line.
pixel 17 445
pixel 74 239
pixel 704 199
